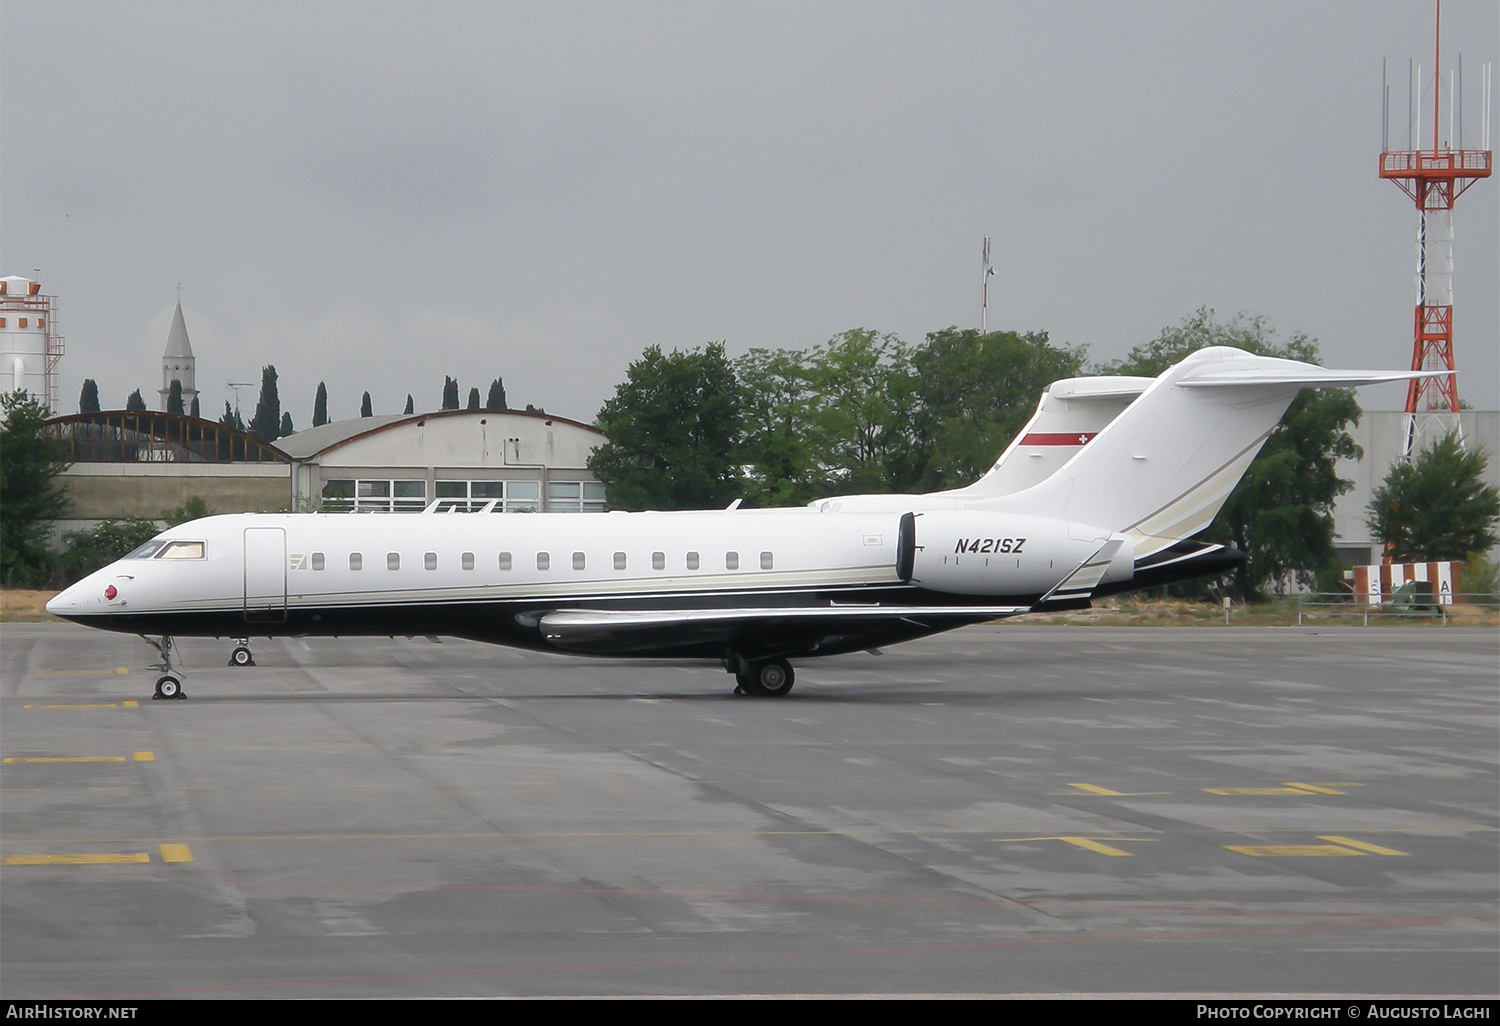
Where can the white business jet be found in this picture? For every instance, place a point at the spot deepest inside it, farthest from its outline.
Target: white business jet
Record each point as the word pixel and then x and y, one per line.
pixel 1103 491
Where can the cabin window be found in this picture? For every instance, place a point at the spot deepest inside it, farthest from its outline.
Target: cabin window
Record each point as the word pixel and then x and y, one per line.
pixel 731 561
pixel 466 560
pixel 505 561
pixel 356 561
pixel 578 561
pixel 658 560
pixel 429 561
pixel 393 561
pixel 767 561
pixel 544 561
pixel 619 561
pixel 317 560
pixel 182 550
pixel 692 560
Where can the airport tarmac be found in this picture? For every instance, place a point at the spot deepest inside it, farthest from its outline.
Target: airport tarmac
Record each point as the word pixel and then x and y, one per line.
pixel 1004 809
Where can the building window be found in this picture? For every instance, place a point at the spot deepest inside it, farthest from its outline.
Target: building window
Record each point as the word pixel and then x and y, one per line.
pixel 367 495
pixel 619 561
pixel 658 560
pixel 544 561
pixel 466 560
pixel 356 561
pixel 21 321
pixel 393 561
pixel 472 496
pixel 317 561
pixel 731 561
pixel 505 561
pixel 575 497
pixel 767 561
pixel 692 560
pixel 429 560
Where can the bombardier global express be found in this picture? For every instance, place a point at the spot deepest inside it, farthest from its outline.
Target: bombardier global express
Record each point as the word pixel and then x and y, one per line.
pixel 1104 490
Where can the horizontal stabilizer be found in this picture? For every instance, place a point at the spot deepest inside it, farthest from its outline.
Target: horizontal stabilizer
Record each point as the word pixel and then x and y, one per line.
pixel 1301 375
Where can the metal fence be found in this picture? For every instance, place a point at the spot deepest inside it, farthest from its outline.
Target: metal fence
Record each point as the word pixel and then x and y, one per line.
pixel 1404 604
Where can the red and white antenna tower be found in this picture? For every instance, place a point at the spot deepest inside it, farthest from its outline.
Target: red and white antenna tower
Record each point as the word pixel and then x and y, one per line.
pixel 1434 179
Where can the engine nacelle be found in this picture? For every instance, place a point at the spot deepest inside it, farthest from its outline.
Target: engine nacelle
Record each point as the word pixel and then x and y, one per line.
pixel 975 552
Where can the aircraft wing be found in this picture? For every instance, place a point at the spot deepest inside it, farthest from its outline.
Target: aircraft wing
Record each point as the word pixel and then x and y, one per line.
pixel 768 630
pixel 1080 584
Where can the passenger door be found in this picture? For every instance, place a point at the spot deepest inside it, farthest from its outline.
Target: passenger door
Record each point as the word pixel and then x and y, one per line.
pixel 265 575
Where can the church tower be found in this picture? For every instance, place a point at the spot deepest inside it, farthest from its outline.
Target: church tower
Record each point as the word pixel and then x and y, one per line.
pixel 177 364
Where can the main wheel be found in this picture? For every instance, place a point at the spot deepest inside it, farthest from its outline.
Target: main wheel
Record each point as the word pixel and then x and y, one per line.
pixel 773 678
pixel 241 657
pixel 168 687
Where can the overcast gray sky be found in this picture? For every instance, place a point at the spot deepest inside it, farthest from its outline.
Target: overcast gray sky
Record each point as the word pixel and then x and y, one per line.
pixel 379 194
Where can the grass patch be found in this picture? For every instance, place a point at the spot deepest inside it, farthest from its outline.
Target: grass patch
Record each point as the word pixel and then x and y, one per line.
pixel 20 606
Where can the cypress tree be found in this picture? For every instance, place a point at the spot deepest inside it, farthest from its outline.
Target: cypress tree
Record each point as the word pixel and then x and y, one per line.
pixel 320 406
pixel 450 393
pixel 194 412
pixel 286 425
pixel 135 404
pixel 266 424
pixel 365 409
pixel 231 419
pixel 88 399
pixel 410 406
pixel 174 398
pixel 496 400
pixel 473 399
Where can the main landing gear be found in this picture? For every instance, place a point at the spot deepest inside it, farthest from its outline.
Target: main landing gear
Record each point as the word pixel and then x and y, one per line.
pixel 169 684
pixel 241 656
pixel 765 678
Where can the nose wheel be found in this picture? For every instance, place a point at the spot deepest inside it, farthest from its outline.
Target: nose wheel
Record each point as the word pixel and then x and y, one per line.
pixel 241 656
pixel 770 678
pixel 169 684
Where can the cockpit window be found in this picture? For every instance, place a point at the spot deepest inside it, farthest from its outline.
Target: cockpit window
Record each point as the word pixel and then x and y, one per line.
pixel 147 550
pixel 182 550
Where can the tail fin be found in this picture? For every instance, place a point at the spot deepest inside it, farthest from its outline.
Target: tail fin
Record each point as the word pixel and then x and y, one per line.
pixel 1071 412
pixel 1160 471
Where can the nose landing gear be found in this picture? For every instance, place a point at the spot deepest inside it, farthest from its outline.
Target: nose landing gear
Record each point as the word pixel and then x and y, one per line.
pixel 169 684
pixel 241 656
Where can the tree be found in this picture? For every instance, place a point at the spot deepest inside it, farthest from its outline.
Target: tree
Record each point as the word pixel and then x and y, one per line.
pixel 496 399
pixel 231 419
pixel 320 406
pixel 29 495
pixel 135 404
pixel 366 409
pixel 673 430
pixel 1436 506
pixel 977 391
pixel 1281 512
pixel 88 398
pixel 450 393
pixel 864 431
pixel 174 399
pixel 473 403
pixel 410 406
pixel 778 407
pixel 266 423
pixel 195 411
pixel 286 425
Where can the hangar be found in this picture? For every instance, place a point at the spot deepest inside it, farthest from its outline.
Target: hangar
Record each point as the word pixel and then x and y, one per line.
pixel 522 462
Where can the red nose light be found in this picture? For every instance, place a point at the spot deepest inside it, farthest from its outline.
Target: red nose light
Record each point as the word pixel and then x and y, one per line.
pixel 109 592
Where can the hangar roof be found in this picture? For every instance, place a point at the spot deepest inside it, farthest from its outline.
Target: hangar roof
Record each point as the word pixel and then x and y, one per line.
pixel 313 442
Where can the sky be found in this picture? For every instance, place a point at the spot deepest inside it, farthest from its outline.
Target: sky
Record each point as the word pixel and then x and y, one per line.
pixel 377 195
